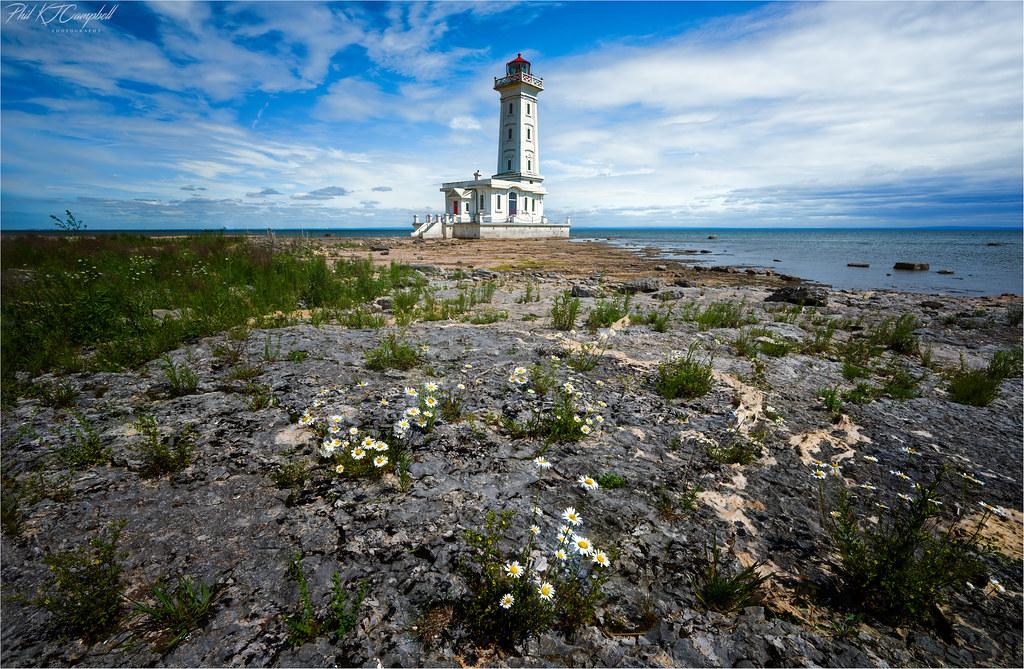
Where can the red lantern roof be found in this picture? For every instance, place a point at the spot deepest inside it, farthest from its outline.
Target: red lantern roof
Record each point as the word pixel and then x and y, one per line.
pixel 519 59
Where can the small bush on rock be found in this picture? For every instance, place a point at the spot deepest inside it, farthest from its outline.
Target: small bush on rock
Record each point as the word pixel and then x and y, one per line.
pixel 393 353
pixel 683 376
pixel 342 613
pixel 84 596
pixel 606 312
pixel 896 334
pixel 908 562
pixel 164 456
pixel 181 379
pixel 84 448
pixel 564 311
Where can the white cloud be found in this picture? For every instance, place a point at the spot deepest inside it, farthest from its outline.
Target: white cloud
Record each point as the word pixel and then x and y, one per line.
pixel 464 123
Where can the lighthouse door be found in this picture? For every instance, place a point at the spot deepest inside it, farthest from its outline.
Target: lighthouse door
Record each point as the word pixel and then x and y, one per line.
pixel 513 200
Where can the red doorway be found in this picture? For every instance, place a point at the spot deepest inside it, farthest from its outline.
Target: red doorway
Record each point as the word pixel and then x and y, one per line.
pixel 455 207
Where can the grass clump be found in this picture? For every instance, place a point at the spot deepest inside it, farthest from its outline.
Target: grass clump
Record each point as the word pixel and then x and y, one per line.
pixel 297 356
pixel 12 518
pixel 182 379
pixel 360 318
pixel 896 334
pixel 900 568
pixel 724 315
pixel 177 611
pixel 606 312
pixel 393 353
pixel 564 311
pixel 164 456
pixel 1007 364
pixel 683 376
pixel 342 613
pixel 531 294
pixel 725 592
pixel 84 595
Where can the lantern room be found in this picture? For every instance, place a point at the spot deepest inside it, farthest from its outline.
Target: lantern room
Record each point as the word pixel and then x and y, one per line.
pixel 518 66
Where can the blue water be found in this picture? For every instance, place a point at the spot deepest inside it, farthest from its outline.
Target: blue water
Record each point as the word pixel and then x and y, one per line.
pixel 822 255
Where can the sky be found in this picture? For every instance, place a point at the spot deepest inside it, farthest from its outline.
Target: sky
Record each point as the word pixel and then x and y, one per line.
pixel 350 115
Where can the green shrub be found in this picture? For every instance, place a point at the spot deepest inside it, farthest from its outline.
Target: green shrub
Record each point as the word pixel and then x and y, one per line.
pixel 606 312
pixel 832 400
pixel 726 592
pixel 1007 364
pixel 900 568
pixel 544 376
pixel 361 319
pixel 341 616
pixel 976 387
pixel 291 474
pixel 488 316
pixel 657 319
pixel 896 334
pixel 531 294
pixel 84 448
pixel 164 456
pixel 739 451
pixel 564 311
pixel 723 315
pixel 683 376
pixel 259 396
pixel 177 611
pixel 1015 315
pixel 393 353
pixel 822 340
pixel 611 480
pixel 862 393
pixel 59 394
pixel 900 384
pixel 84 595
pixel 297 356
pixel 12 518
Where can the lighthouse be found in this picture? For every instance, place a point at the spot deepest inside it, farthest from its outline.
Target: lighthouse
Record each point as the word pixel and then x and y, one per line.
pixel 510 204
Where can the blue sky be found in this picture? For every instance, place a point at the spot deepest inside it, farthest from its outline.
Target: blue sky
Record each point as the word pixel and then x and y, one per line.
pixel 248 115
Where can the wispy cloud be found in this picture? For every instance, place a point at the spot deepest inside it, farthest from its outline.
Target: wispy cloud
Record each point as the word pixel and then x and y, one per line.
pixel 328 193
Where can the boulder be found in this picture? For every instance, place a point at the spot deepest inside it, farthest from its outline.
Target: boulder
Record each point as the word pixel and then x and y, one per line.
pixel 644 285
pixel 680 282
pixel 580 290
pixel 912 266
pixel 858 264
pixel 667 295
pixel 808 296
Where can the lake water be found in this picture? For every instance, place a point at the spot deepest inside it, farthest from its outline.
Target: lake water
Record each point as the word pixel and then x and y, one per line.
pixel 983 262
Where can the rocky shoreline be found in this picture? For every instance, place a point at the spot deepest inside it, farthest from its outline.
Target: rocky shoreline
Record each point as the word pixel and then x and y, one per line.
pixel 225 519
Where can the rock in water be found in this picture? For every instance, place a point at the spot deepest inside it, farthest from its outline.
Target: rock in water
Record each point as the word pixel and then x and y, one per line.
pixel 912 266
pixel 857 264
pixel 944 271
pixel 808 296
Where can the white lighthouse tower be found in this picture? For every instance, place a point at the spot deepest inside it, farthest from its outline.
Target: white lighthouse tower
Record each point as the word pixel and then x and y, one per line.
pixel 511 203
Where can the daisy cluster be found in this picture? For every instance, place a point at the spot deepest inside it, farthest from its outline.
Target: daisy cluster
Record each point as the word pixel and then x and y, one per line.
pixel 576 558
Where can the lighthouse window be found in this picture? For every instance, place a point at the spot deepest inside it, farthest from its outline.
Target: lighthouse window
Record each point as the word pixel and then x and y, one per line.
pixel 527 108
pixel 529 165
pixel 499 204
pixel 510 108
pixel 510 166
pixel 527 133
pixel 533 205
pixel 510 132
pixel 481 202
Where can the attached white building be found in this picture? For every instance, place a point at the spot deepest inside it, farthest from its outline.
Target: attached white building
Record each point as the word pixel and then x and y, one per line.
pixel 510 204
